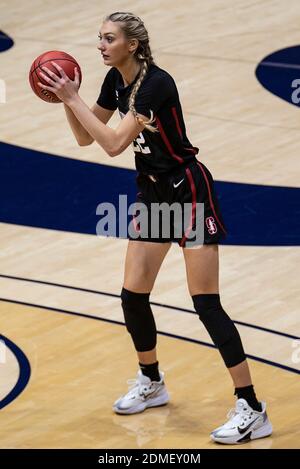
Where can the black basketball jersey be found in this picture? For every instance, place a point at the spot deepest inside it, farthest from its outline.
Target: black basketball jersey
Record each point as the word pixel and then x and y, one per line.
pixel 160 151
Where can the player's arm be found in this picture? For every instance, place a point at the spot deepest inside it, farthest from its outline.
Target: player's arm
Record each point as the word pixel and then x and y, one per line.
pixel 113 141
pixel 81 134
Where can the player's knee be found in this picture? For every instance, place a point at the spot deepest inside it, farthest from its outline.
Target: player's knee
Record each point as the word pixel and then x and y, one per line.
pixel 214 318
pixel 133 302
pixel 139 319
pixel 220 327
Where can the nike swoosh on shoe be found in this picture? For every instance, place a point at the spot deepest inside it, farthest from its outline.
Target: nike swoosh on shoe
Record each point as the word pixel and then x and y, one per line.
pixel 243 430
pixel 151 394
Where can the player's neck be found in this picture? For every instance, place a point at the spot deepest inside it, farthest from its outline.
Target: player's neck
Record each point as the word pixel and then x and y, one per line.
pixel 129 71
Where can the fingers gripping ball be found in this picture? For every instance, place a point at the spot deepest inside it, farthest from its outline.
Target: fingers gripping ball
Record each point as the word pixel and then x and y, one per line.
pixel 64 60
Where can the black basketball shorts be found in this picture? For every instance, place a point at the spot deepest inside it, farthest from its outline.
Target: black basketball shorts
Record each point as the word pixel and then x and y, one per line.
pixel 178 206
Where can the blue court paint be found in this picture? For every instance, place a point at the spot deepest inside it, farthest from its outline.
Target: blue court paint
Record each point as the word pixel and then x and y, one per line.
pixel 279 73
pixel 24 372
pixel 46 191
pixel 6 42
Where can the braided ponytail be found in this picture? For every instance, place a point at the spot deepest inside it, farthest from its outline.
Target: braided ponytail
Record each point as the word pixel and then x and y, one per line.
pixel 134 28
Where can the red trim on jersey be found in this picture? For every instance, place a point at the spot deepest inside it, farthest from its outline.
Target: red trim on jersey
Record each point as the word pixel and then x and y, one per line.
pixel 192 150
pixel 194 201
pixel 210 197
pixel 176 121
pixel 174 112
pixel 166 141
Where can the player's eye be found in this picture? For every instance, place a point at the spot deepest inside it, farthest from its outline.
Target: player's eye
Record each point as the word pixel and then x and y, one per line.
pixel 108 38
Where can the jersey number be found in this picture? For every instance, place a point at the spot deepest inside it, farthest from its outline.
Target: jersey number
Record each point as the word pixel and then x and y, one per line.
pixel 139 145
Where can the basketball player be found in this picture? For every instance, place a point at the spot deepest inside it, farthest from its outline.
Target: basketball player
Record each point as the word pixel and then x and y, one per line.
pixel 168 171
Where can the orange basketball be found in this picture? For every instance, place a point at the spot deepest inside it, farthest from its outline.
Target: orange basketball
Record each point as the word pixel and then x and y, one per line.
pixel 66 61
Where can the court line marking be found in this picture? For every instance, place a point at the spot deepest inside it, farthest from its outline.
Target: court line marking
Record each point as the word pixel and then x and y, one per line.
pixel 167 334
pixel 24 372
pixel 154 303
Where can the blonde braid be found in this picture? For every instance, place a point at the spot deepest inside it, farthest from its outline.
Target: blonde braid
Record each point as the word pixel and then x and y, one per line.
pixel 134 28
pixel 146 124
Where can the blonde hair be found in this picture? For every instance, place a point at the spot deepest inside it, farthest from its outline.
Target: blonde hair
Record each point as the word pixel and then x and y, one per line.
pixel 134 28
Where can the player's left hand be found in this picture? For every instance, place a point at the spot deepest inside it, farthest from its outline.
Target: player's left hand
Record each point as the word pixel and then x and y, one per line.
pixel 60 84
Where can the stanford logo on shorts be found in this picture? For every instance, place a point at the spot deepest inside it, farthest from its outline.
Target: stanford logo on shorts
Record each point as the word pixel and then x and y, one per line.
pixel 211 225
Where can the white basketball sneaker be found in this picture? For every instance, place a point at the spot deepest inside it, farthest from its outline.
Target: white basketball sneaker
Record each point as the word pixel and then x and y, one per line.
pixel 244 424
pixel 142 393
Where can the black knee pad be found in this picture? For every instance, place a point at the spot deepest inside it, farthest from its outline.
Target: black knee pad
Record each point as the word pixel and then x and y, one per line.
pixel 220 327
pixel 139 319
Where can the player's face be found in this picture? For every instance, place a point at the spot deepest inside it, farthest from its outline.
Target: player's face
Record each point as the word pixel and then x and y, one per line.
pixel 113 45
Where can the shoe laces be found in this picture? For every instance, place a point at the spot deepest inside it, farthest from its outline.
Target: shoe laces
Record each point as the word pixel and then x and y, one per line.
pixel 135 385
pixel 132 383
pixel 238 416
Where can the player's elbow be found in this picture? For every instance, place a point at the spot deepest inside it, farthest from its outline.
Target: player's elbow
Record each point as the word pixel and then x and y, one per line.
pixel 112 154
pixel 117 149
pixel 114 151
pixel 115 145
pixel 85 143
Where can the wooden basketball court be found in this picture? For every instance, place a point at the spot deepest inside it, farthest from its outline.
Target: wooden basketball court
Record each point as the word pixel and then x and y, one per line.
pixel 66 354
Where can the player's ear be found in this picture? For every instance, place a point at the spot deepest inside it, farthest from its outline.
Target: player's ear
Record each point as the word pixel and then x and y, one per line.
pixel 133 45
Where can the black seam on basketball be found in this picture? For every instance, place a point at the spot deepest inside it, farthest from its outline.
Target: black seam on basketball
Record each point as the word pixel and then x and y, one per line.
pixel 38 79
pixel 31 73
pixel 33 82
pixel 52 60
pixel 43 91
